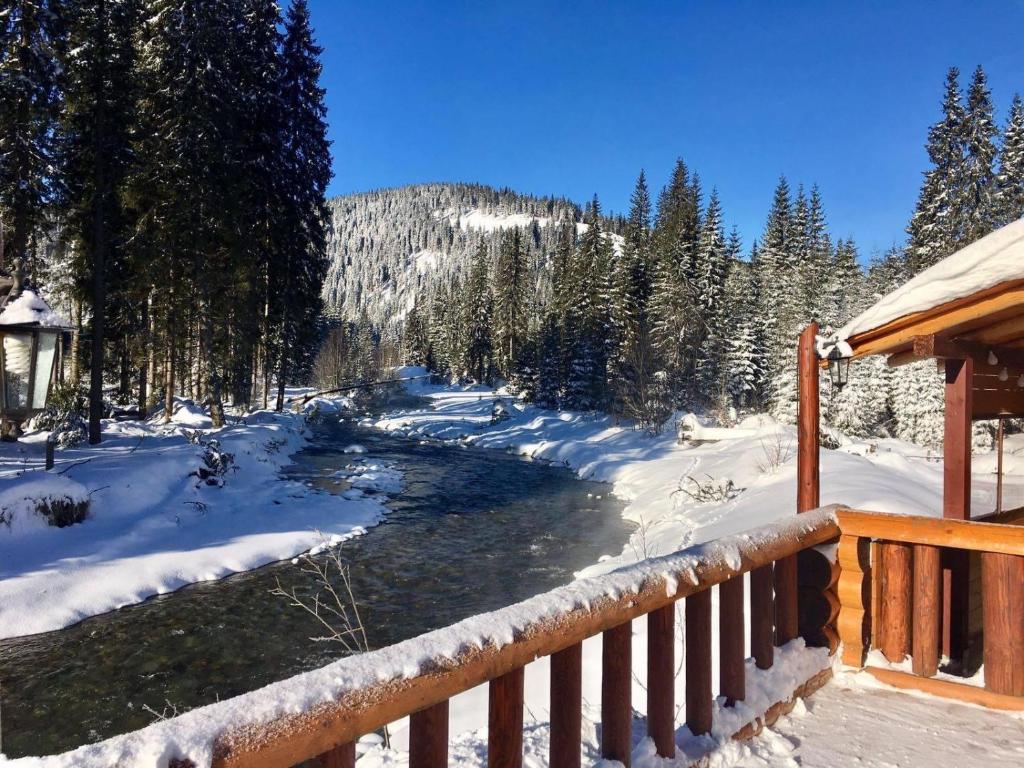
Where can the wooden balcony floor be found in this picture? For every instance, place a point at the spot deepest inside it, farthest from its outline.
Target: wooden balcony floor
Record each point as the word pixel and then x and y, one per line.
pixel 850 722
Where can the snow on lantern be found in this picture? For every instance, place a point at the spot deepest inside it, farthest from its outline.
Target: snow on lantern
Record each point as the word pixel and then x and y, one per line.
pixel 30 333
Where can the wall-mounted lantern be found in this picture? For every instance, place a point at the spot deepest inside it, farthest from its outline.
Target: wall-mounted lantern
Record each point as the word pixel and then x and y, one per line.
pixel 838 368
pixel 30 334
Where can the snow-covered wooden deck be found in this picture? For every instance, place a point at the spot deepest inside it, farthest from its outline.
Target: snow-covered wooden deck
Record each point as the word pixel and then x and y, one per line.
pixel 853 721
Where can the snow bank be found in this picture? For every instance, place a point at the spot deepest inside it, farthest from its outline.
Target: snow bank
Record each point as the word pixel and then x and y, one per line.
pixel 996 258
pixel 154 526
pixel 19 504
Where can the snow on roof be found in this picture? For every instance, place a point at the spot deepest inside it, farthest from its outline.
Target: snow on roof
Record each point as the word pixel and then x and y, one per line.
pixel 996 258
pixel 30 308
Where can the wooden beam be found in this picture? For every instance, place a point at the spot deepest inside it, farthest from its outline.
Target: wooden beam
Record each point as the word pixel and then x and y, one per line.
pixel 992 403
pixel 894 610
pixel 943 348
pixel 927 606
pixel 934 531
pixel 1003 584
pixel 951 316
pixel 970 694
pixel 1004 332
pixel 566 707
pixel 661 676
pixel 616 693
pixel 956 488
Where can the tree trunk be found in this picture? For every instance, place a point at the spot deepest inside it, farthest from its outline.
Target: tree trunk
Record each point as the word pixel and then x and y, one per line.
pixel 99 300
pixel 172 361
pixel 143 365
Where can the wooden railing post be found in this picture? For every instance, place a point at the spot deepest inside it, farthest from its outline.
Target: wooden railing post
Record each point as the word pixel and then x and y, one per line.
pixel 894 614
pixel 428 737
pixel 661 672
pixel 343 756
pixel 926 608
pixel 854 591
pixel 566 707
pixel 505 721
pixel 616 693
pixel 698 662
pixel 731 656
pixel 762 616
pixel 1003 607
pixel 786 608
pixel 956 503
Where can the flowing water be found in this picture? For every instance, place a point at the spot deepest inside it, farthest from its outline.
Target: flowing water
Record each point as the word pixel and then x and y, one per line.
pixel 473 530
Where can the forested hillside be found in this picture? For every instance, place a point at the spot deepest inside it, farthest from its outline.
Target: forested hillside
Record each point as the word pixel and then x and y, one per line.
pixel 670 310
pixel 390 246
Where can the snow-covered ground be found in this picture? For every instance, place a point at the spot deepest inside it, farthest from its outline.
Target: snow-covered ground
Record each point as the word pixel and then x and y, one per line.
pixel 153 524
pixel 660 477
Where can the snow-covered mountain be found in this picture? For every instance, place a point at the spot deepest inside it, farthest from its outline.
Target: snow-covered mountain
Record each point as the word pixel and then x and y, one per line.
pixel 392 246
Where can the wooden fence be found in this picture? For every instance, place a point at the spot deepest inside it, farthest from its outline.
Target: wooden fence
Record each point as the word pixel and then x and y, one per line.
pixel 894 569
pixel 328 731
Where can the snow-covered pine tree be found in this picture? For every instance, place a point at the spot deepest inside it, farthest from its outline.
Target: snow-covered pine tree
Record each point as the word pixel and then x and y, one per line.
pixel 510 296
pixel 416 339
pixel 1009 195
pixel 744 354
pixel 301 244
pixel 977 187
pixel 478 311
pixel 673 300
pixel 934 228
pixel 711 270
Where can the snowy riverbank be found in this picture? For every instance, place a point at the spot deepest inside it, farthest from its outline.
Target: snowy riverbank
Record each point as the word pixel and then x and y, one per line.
pixel 721 482
pixel 155 524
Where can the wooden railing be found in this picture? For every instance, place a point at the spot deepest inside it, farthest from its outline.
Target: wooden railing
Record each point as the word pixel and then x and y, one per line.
pixel 894 572
pixel 605 606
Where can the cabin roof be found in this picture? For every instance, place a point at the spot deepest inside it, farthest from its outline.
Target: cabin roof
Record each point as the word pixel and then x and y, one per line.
pixel 969 305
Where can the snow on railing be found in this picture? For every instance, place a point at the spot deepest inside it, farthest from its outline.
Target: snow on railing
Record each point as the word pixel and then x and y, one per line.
pixel 323 712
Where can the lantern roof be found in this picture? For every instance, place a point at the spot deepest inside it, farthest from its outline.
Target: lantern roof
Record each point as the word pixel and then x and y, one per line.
pixel 27 308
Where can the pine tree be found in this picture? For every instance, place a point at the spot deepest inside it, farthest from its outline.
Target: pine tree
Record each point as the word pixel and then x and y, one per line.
pixel 1009 195
pixel 307 172
pixel 712 263
pixel 416 339
pixel 478 315
pixel 95 153
pixel 510 322
pixel 978 180
pixel 935 226
pixel 31 45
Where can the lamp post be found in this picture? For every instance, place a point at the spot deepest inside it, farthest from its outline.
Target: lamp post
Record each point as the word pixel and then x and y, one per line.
pixel 30 333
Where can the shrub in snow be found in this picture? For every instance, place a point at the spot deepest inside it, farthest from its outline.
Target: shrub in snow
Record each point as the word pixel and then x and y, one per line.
pixel 64 416
pixel 499 413
pixel 216 463
pixel 705 491
pixel 52 500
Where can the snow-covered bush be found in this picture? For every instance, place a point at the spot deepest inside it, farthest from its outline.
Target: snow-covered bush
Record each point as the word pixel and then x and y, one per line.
pixel 64 416
pixel 706 491
pixel 216 463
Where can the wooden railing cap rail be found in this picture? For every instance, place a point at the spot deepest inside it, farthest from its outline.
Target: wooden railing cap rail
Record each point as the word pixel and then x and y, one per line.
pixel 934 531
pixel 293 720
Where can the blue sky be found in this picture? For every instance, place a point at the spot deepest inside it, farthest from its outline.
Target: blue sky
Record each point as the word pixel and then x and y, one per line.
pixel 575 98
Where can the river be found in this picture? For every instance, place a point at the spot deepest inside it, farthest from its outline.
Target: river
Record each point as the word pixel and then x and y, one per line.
pixel 472 530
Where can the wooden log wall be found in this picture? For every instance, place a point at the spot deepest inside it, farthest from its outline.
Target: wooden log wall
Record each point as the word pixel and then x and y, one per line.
pixel 895 601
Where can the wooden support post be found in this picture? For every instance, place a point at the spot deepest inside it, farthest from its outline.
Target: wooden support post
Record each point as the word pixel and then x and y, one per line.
pixel 925 636
pixel 1000 435
pixel 762 616
pixel 698 662
pixel 661 671
pixel 616 693
pixel 854 590
pixel 786 609
pixel 894 614
pixel 731 656
pixel 1003 584
pixel 956 502
pixel 428 737
pixel 566 707
pixel 505 721
pixel 343 756
pixel 808 437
